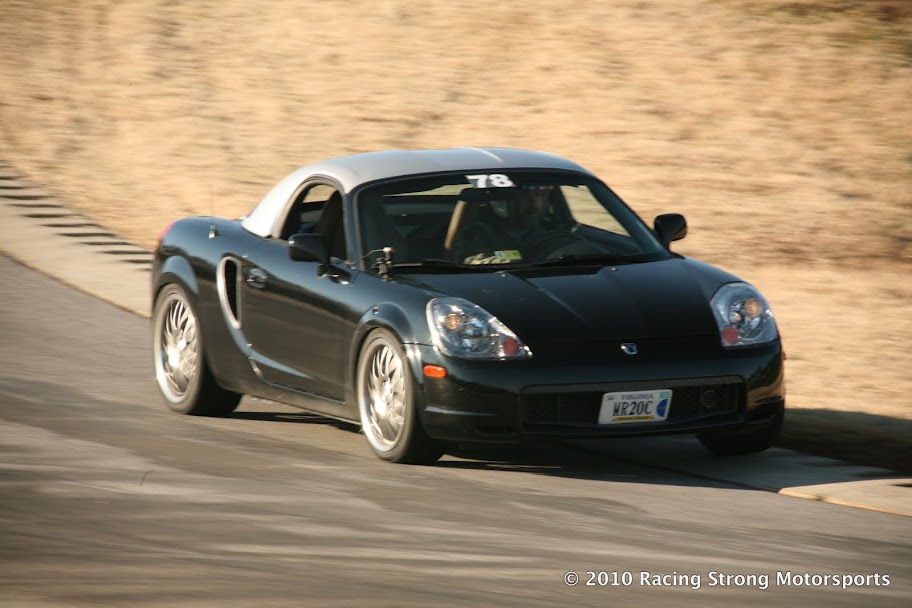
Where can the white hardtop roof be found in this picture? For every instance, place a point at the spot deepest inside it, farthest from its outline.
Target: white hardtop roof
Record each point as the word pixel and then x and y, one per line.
pixel 352 171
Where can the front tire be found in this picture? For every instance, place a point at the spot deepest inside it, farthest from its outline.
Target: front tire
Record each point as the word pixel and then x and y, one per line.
pixel 386 403
pixel 181 370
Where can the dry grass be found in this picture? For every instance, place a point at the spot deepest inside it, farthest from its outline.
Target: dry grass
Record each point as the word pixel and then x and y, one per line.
pixel 781 129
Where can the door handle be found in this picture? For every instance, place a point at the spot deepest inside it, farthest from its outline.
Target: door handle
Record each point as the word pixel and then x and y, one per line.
pixel 256 278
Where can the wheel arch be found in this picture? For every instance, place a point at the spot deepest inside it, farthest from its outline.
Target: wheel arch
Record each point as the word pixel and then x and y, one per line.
pixel 393 318
pixel 176 269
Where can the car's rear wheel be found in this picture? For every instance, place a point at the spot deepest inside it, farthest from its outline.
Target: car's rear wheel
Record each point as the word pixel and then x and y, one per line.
pixel 743 441
pixel 181 370
pixel 386 402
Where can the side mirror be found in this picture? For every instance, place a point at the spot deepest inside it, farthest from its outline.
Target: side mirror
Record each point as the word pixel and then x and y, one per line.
pixel 670 227
pixel 307 248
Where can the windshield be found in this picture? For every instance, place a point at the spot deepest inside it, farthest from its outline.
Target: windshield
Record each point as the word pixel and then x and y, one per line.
pixel 494 219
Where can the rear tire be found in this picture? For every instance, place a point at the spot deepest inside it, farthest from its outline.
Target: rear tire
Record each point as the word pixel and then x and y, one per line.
pixel 385 391
pixel 743 441
pixel 181 370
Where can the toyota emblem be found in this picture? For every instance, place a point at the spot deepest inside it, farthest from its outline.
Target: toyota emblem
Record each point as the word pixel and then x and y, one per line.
pixel 630 348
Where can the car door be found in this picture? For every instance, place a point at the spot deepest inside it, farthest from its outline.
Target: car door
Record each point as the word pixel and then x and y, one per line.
pixel 296 321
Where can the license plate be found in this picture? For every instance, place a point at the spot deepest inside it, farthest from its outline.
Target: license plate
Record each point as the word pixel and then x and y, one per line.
pixel 635 406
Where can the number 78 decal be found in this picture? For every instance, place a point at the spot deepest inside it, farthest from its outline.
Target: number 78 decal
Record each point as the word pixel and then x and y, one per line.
pixel 493 180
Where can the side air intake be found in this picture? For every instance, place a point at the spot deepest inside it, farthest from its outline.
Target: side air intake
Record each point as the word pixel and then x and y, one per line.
pixel 228 290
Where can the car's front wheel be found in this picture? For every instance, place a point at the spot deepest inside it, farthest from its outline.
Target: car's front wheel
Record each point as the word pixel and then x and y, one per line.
pixel 181 370
pixel 386 402
pixel 743 441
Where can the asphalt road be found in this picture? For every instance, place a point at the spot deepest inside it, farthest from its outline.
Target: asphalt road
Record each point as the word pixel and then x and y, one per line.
pixel 108 499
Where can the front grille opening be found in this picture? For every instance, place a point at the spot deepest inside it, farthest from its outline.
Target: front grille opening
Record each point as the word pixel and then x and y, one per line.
pixel 568 408
pixel 688 402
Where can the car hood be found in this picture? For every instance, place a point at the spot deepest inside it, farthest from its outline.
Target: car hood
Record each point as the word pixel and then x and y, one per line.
pixel 664 299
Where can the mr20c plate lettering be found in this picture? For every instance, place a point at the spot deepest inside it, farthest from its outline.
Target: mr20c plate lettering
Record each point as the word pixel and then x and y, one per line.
pixel 635 406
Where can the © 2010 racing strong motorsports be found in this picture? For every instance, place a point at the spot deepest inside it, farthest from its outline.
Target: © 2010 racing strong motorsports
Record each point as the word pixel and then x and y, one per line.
pixel 463 295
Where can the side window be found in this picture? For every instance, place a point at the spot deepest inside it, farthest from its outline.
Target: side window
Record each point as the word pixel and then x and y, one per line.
pixel 304 213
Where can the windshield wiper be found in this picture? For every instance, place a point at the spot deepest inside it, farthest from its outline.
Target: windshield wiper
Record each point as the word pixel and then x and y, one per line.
pixel 570 259
pixel 438 264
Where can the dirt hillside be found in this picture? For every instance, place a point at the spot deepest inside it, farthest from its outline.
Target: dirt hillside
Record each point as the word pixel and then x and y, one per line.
pixel 782 130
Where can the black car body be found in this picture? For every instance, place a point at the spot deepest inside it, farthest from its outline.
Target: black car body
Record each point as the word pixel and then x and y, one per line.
pixel 352 291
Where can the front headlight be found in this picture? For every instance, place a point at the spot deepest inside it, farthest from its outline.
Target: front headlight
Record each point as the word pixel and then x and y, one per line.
pixel 743 316
pixel 466 330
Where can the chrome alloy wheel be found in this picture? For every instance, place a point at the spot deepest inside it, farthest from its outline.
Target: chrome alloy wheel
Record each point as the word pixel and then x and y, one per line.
pixel 382 395
pixel 176 348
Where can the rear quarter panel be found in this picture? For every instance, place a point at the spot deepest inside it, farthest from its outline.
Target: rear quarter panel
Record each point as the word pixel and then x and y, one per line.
pixel 188 257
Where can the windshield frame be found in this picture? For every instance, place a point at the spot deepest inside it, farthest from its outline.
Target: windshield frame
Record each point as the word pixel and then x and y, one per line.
pixel 639 232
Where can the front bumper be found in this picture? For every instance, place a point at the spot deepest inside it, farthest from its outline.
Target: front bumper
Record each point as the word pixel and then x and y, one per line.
pixel 560 396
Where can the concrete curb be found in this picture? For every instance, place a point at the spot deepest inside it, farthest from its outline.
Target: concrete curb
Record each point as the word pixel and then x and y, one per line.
pixel 39 230
pixel 776 470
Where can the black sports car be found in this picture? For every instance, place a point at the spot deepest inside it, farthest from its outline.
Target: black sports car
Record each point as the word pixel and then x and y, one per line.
pixel 471 294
